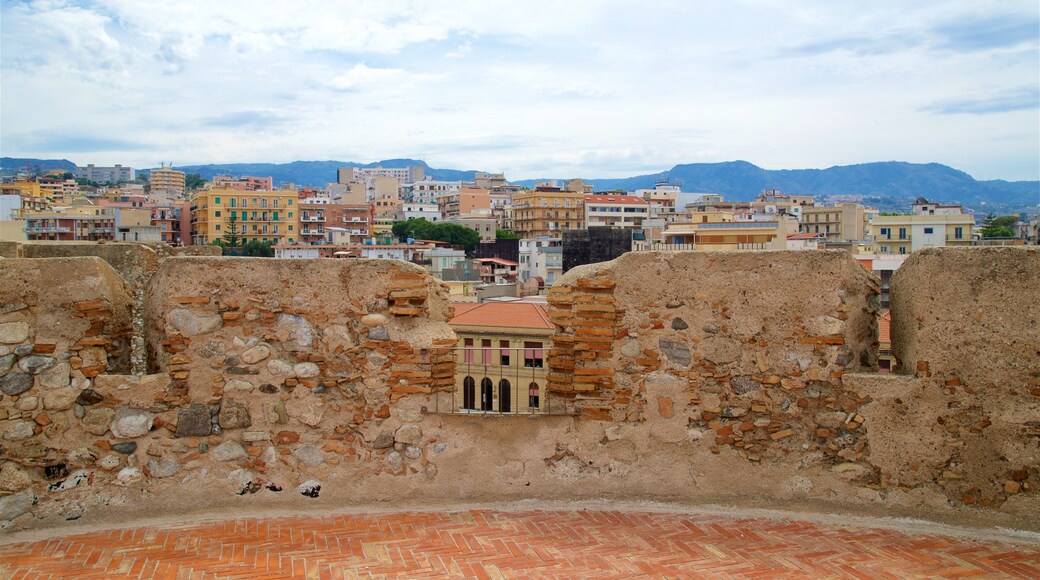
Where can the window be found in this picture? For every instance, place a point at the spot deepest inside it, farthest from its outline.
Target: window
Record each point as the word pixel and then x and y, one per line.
pixel 929 230
pixel 485 351
pixel 532 354
pixel 504 396
pixel 467 353
pixel 502 344
pixel 885 232
pixel 902 249
pixel 216 201
pixel 958 233
pixel 902 233
pixel 233 202
pixel 217 227
pixel 469 393
pixel 532 395
pixel 487 395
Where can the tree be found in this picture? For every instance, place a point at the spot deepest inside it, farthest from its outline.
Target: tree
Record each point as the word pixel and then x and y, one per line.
pixel 420 229
pixel 230 236
pixel 506 235
pixel 999 227
pixel 258 249
pixel 193 181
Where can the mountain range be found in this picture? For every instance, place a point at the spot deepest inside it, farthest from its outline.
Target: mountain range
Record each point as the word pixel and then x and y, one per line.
pixel 889 185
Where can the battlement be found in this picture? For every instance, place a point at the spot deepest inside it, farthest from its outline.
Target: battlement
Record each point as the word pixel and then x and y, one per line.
pixel 694 377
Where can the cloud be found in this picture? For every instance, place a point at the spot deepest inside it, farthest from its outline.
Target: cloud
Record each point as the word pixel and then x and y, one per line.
pixel 997 31
pixel 256 120
pixel 67 142
pixel 1018 99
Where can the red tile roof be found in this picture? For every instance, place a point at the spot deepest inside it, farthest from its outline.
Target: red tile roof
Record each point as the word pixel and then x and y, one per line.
pixel 885 326
pixel 502 315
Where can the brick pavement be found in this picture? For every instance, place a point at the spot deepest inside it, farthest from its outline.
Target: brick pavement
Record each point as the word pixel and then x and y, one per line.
pixel 531 544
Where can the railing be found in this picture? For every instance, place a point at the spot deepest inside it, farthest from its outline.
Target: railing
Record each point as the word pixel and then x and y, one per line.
pixel 638 246
pixel 310 232
pixel 313 218
pixel 48 230
pixel 519 388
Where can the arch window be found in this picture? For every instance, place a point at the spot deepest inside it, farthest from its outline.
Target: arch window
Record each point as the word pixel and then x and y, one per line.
pixel 469 393
pixel 487 395
pixel 504 396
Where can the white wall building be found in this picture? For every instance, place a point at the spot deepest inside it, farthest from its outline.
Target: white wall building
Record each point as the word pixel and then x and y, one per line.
pixel 541 257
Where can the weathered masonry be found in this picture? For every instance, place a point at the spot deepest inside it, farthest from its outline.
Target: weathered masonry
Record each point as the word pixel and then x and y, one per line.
pixel 701 377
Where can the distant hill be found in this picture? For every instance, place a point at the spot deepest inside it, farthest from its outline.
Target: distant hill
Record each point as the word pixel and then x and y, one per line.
pixel 314 173
pixel 17 163
pixel 887 185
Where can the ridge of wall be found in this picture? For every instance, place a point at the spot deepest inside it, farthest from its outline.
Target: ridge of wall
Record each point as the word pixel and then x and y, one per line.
pixel 691 377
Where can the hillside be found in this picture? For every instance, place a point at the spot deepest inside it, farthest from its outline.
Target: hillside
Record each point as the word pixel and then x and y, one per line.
pixel 889 185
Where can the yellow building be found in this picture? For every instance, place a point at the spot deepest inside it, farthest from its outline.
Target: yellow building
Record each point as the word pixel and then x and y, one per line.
pixel 547 211
pixel 721 231
pixel 843 222
pixel 501 357
pixel 166 179
pixel 30 189
pixel 266 216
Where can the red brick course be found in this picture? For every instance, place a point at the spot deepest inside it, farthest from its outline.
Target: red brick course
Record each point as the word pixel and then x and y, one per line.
pixel 495 544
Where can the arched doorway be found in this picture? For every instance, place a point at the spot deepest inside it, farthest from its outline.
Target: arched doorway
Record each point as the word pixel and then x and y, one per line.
pixel 487 395
pixel 505 396
pixel 533 398
pixel 469 393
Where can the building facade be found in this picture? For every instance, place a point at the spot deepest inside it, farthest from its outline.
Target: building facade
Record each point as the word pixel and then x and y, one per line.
pixel 501 357
pixel 844 222
pixel 166 179
pixel 928 226
pixel 619 211
pixel 265 216
pixel 113 174
pixel 547 212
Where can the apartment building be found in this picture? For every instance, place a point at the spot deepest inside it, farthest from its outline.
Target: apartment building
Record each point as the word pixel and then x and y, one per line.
pixel 320 221
pixel 409 174
pixel 547 211
pixel 662 199
pixel 929 225
pixel 772 201
pixel 385 194
pixel 541 259
pixel 266 216
pixel 77 223
pixel 243 183
pixel 501 357
pixel 843 222
pixel 463 202
pixel 166 179
pixel 428 212
pixel 620 211
pixel 113 174
pixel 428 191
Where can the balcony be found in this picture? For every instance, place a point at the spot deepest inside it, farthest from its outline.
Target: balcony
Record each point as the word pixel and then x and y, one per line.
pixel 47 230
pixel 313 218
pixel 312 232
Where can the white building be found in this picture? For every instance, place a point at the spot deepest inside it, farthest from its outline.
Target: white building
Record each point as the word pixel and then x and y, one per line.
pixel 620 211
pixel 541 257
pixel 113 174
pixel 428 212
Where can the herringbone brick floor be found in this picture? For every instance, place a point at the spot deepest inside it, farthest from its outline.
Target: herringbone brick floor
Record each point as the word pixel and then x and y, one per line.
pixel 495 544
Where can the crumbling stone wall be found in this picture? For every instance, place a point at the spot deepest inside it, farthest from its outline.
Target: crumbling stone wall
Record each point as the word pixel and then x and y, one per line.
pixel 63 322
pixel 964 419
pixel 715 377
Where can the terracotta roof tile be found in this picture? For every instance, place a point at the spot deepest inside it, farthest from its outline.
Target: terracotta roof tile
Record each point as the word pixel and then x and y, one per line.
pixel 885 327
pixel 502 315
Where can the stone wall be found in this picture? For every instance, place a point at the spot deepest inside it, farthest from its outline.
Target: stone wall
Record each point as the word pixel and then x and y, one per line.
pixel 705 377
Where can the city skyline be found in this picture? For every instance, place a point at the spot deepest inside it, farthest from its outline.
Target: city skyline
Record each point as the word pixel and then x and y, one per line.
pixel 603 89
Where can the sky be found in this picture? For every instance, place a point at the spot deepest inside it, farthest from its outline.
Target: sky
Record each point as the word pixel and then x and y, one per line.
pixel 533 88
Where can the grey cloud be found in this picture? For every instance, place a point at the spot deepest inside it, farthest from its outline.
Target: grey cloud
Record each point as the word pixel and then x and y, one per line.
pixel 1020 99
pixel 253 119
